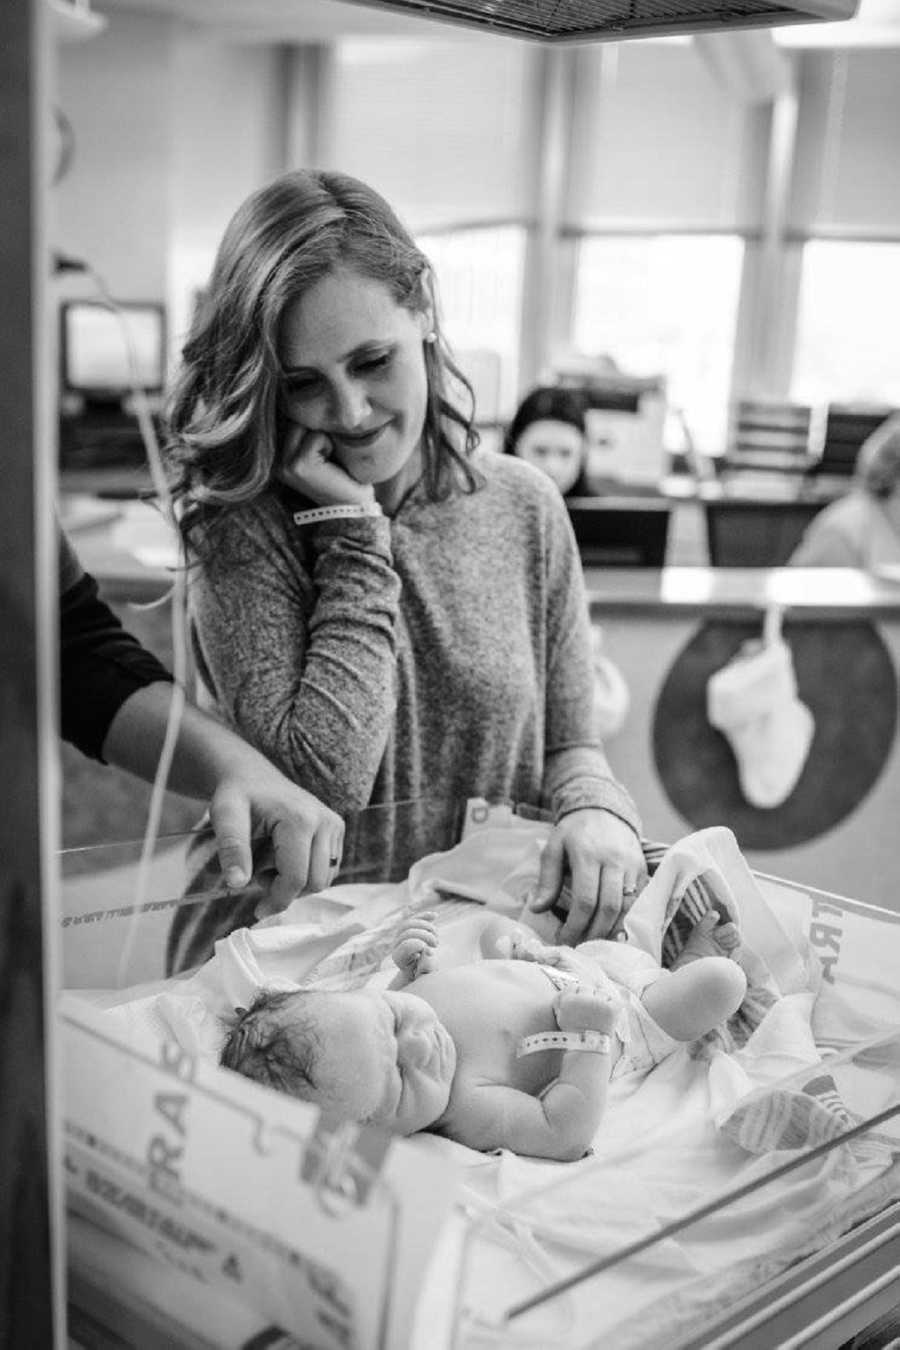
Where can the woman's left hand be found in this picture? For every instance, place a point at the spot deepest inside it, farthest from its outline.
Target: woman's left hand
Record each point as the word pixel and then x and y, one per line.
pixel 607 867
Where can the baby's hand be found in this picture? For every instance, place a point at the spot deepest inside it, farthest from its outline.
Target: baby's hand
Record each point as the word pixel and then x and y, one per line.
pixel 415 952
pixel 585 1010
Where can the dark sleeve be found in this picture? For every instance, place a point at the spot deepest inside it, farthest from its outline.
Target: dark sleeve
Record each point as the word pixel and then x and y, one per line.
pixel 100 664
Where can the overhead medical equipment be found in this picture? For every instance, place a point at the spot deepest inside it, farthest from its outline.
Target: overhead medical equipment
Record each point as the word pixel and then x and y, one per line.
pixel 612 20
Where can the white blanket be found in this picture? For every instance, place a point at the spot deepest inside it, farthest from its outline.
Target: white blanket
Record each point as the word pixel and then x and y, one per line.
pixel 661 1150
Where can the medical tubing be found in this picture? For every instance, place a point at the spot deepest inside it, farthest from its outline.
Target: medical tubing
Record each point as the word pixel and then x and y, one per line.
pixel 178 594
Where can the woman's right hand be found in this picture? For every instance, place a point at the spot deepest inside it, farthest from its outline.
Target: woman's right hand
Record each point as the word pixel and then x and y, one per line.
pixel 308 465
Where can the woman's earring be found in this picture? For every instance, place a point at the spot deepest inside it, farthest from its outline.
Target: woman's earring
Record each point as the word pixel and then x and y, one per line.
pixel 431 337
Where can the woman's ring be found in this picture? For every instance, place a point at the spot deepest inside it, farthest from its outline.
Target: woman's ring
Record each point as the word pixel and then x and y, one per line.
pixel 629 890
pixel 333 862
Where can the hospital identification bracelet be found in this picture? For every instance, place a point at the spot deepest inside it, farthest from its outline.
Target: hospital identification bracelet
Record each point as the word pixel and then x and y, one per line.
pixel 595 1042
pixel 341 512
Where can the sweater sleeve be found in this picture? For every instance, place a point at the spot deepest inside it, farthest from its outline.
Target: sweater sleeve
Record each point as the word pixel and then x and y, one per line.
pixel 295 629
pixel 577 773
pixel 826 544
pixel 101 665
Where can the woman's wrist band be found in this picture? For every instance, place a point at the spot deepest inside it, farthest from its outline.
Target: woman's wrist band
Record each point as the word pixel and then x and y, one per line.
pixel 346 511
pixel 595 1042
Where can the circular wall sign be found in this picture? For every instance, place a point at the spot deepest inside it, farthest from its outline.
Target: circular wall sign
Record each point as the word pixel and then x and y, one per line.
pixel 845 676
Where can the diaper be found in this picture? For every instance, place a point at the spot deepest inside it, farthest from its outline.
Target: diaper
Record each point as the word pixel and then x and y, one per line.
pixel 644 1043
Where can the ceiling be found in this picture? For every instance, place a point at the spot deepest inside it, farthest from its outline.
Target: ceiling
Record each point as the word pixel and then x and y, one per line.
pixel 322 21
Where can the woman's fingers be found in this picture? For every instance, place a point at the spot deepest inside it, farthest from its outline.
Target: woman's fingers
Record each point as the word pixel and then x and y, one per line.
pixel 584 890
pixel 308 465
pixel 610 902
pixel 598 901
pixel 550 875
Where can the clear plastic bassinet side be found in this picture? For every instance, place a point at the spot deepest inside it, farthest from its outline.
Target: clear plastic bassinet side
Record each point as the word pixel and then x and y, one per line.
pixel 112 939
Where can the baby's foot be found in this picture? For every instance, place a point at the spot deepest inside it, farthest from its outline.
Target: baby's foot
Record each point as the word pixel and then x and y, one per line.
pixel 709 937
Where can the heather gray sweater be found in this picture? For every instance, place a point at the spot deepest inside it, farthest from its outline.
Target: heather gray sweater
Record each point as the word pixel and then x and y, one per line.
pixel 439 654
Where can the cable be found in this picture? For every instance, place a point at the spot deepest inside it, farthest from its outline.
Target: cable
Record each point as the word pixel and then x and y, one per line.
pixel 178 595
pixel 66 152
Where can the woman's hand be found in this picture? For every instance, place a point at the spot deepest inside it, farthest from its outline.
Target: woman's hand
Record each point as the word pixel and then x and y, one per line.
pixel 607 867
pixel 308 465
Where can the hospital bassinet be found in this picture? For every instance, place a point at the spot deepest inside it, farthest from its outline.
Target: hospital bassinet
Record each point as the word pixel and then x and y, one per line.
pixel 207 1211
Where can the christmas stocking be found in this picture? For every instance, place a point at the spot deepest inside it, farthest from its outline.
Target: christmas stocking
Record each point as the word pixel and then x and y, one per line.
pixel 753 702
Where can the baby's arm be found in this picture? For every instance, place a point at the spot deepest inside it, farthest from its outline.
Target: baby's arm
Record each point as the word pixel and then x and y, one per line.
pixel 415 951
pixel 559 1124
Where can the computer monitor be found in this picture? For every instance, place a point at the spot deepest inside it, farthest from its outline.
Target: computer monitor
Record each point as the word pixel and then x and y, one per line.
pixel 620 534
pixel 742 532
pixel 847 427
pixel 624 419
pixel 94 352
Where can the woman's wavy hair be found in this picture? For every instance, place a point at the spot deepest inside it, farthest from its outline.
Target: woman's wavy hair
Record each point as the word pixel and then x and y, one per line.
pixel 222 411
pixel 878 465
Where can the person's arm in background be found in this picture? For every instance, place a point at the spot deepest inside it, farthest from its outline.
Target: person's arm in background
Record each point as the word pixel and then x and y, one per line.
pixel 246 794
pixel 115 699
pixel 826 544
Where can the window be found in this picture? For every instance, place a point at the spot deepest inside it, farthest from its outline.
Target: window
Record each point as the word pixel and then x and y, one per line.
pixel 848 335
pixel 665 304
pixel 479 276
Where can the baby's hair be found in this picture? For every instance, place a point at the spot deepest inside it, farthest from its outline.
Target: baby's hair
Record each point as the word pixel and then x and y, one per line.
pixel 280 1052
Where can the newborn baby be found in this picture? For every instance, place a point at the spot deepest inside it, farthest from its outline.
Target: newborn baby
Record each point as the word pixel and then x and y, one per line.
pixel 514 1051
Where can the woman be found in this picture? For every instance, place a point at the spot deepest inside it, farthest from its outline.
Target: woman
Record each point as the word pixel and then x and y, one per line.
pixel 388 613
pixel 861 529
pixel 548 431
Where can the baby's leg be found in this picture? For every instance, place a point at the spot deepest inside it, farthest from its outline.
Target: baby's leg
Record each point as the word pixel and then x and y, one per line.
pixel 690 1001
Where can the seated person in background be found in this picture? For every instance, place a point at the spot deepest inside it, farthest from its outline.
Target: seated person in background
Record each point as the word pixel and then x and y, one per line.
pixel 548 431
pixel 861 529
pixel 514 1051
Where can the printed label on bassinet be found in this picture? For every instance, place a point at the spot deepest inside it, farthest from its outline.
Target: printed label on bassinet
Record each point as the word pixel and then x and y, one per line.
pixel 206 1175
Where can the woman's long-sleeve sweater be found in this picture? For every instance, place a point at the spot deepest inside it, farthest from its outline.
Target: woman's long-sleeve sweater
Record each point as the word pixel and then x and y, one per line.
pixel 441 653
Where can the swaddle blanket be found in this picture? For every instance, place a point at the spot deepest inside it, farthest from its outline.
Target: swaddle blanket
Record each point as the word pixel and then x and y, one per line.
pixel 692 1128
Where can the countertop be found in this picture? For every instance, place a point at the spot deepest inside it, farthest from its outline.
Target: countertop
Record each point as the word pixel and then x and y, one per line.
pixel 129 548
pixel 839 591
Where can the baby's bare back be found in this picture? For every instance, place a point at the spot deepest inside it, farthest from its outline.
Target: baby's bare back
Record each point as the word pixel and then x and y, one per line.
pixel 488 1007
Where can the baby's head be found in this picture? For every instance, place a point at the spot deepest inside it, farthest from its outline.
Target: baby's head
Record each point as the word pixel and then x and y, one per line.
pixel 378 1058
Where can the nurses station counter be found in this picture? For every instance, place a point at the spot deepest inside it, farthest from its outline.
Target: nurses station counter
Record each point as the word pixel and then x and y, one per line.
pixel 670 631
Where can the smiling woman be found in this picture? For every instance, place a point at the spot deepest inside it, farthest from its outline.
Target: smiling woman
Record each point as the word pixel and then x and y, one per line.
pixel 355 391
pixel 385 610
